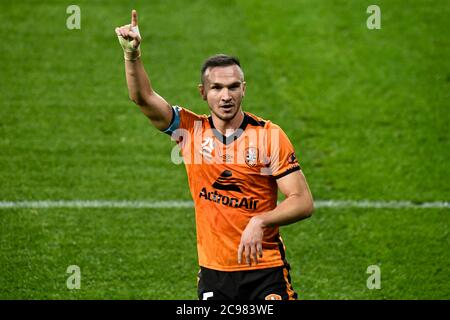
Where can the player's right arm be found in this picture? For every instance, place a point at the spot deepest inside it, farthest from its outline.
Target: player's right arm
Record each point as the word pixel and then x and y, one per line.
pixel 139 86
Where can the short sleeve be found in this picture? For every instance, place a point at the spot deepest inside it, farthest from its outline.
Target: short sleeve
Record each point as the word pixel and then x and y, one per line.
pixel 283 160
pixel 181 119
pixel 184 125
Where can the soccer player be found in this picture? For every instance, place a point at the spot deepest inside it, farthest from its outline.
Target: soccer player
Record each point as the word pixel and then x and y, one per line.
pixel 236 162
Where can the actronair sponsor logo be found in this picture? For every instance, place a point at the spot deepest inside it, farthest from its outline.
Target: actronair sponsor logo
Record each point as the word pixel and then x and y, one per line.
pixel 214 196
pixel 227 182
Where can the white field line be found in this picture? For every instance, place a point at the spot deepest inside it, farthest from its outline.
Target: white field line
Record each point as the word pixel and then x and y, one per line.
pixel 170 204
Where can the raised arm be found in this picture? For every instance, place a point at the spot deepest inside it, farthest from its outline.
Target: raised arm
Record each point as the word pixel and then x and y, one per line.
pixel 139 86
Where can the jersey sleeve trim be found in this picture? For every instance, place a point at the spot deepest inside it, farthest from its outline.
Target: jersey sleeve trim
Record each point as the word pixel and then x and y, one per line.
pixel 281 175
pixel 175 122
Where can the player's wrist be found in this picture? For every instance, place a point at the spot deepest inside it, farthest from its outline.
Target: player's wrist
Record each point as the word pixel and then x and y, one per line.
pixel 130 41
pixel 132 55
pixel 260 221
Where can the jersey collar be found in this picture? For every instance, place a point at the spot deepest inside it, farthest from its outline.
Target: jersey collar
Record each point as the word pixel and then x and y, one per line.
pixel 232 137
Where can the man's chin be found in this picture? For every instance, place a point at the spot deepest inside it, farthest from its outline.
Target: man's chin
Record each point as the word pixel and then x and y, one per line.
pixel 226 116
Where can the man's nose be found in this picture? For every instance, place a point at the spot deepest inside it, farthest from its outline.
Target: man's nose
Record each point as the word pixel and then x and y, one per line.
pixel 226 95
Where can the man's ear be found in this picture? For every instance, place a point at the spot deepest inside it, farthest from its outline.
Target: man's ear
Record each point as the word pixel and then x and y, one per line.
pixel 201 89
pixel 244 85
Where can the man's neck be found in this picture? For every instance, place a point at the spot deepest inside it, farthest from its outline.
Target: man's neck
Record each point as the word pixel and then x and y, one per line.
pixel 228 127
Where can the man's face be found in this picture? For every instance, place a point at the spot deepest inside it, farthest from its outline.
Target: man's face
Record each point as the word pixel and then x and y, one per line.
pixel 223 89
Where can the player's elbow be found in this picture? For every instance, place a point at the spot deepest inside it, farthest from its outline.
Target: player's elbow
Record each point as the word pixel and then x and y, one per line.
pixel 138 100
pixel 304 206
pixel 308 207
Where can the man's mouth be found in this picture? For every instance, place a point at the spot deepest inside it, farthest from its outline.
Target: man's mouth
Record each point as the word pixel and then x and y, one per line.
pixel 227 106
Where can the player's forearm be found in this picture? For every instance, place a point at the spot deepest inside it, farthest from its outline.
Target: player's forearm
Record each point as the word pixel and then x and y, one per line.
pixel 294 208
pixel 139 85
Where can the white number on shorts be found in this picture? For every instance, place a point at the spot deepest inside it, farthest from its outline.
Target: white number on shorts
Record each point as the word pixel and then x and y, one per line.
pixel 207 295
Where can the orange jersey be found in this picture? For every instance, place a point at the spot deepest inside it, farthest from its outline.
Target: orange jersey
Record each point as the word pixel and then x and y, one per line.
pixel 232 179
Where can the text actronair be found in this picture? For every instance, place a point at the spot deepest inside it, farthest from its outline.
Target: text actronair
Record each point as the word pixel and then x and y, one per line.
pixel 247 203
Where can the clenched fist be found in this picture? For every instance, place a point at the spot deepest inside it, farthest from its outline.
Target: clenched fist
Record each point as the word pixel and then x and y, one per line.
pixel 129 38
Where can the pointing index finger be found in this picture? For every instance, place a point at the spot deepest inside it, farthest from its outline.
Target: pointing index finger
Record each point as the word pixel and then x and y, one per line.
pixel 134 21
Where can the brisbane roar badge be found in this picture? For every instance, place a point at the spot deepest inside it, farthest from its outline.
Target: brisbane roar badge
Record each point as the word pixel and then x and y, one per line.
pixel 251 156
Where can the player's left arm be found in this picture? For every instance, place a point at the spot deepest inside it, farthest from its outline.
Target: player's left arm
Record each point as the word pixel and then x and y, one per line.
pixel 297 205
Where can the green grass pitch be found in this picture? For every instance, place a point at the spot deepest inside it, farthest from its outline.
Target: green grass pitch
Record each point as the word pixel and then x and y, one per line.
pixel 367 110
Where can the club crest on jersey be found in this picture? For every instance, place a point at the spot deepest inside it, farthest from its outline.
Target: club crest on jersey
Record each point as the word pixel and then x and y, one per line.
pixel 251 156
